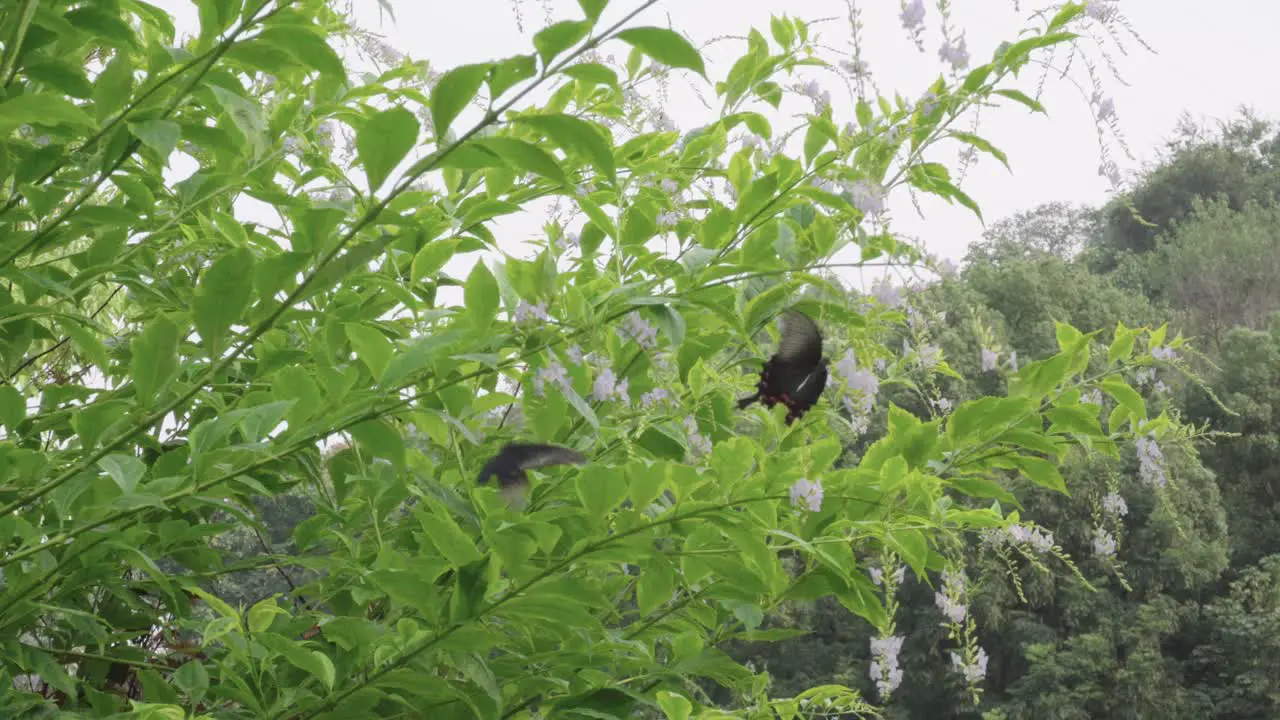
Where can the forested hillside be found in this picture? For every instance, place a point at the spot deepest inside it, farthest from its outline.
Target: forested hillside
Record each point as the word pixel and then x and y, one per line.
pixel 1191 626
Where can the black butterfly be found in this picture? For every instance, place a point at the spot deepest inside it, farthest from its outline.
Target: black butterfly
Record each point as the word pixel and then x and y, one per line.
pixel 796 375
pixel 512 463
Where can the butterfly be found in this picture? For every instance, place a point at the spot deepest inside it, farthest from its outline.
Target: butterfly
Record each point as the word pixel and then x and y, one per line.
pixel 512 463
pixel 796 374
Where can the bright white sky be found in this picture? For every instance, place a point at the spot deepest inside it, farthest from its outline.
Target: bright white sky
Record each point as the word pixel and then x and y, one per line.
pixel 1204 66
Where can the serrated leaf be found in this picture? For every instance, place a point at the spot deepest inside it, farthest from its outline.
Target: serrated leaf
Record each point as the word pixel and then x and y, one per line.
pixel 383 141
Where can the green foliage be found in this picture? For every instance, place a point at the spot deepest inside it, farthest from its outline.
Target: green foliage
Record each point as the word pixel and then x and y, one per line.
pixel 179 381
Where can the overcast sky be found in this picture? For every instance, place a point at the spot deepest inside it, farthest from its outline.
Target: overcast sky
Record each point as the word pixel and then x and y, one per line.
pixel 1203 65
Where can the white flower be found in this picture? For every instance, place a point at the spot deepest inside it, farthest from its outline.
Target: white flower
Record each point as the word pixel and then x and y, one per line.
pixel 525 311
pixel 808 492
pixel 1115 505
pixel 955 52
pixel 1104 543
pixel 912 15
pixel 868 197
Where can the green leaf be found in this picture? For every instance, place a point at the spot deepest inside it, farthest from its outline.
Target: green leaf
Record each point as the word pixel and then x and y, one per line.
pixel 380 439
pixel 1042 472
pixel 13 408
pixel 526 156
pixel 262 614
pixel 159 135
pixel 481 296
pixel 983 145
pixel 912 546
pixel 455 89
pixel 248 117
pixel 656 586
pixel 593 8
pixel 431 258
pixel 306 45
pixel 1127 397
pixel 383 141
pixel 582 407
pixel 757 196
pixel 1081 419
pixel 294 383
pixel 221 297
pixel 576 137
pixel 59 74
pixel 442 532
pixel 601 489
pixel 155 358
pixel 424 351
pixel 371 346
pixel 1023 98
pixel 666 46
pixel 1122 347
pixel 192 678
pixel 981 487
pixel 41 109
pixel 558 37
pixel 126 470
pixel 592 74
pixel 510 71
pixel 87 342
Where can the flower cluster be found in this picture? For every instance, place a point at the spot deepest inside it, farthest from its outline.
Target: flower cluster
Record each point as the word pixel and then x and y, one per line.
pixel 950 600
pixel 884 664
pixel 1151 462
pixel 973 670
pixel 807 492
pixel 698 443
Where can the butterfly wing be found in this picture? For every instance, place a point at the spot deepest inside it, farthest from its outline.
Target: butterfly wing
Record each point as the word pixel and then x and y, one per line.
pixel 807 394
pixel 514 459
pixel 799 354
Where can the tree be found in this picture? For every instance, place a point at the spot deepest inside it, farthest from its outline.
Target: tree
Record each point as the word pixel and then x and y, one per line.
pixel 172 369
